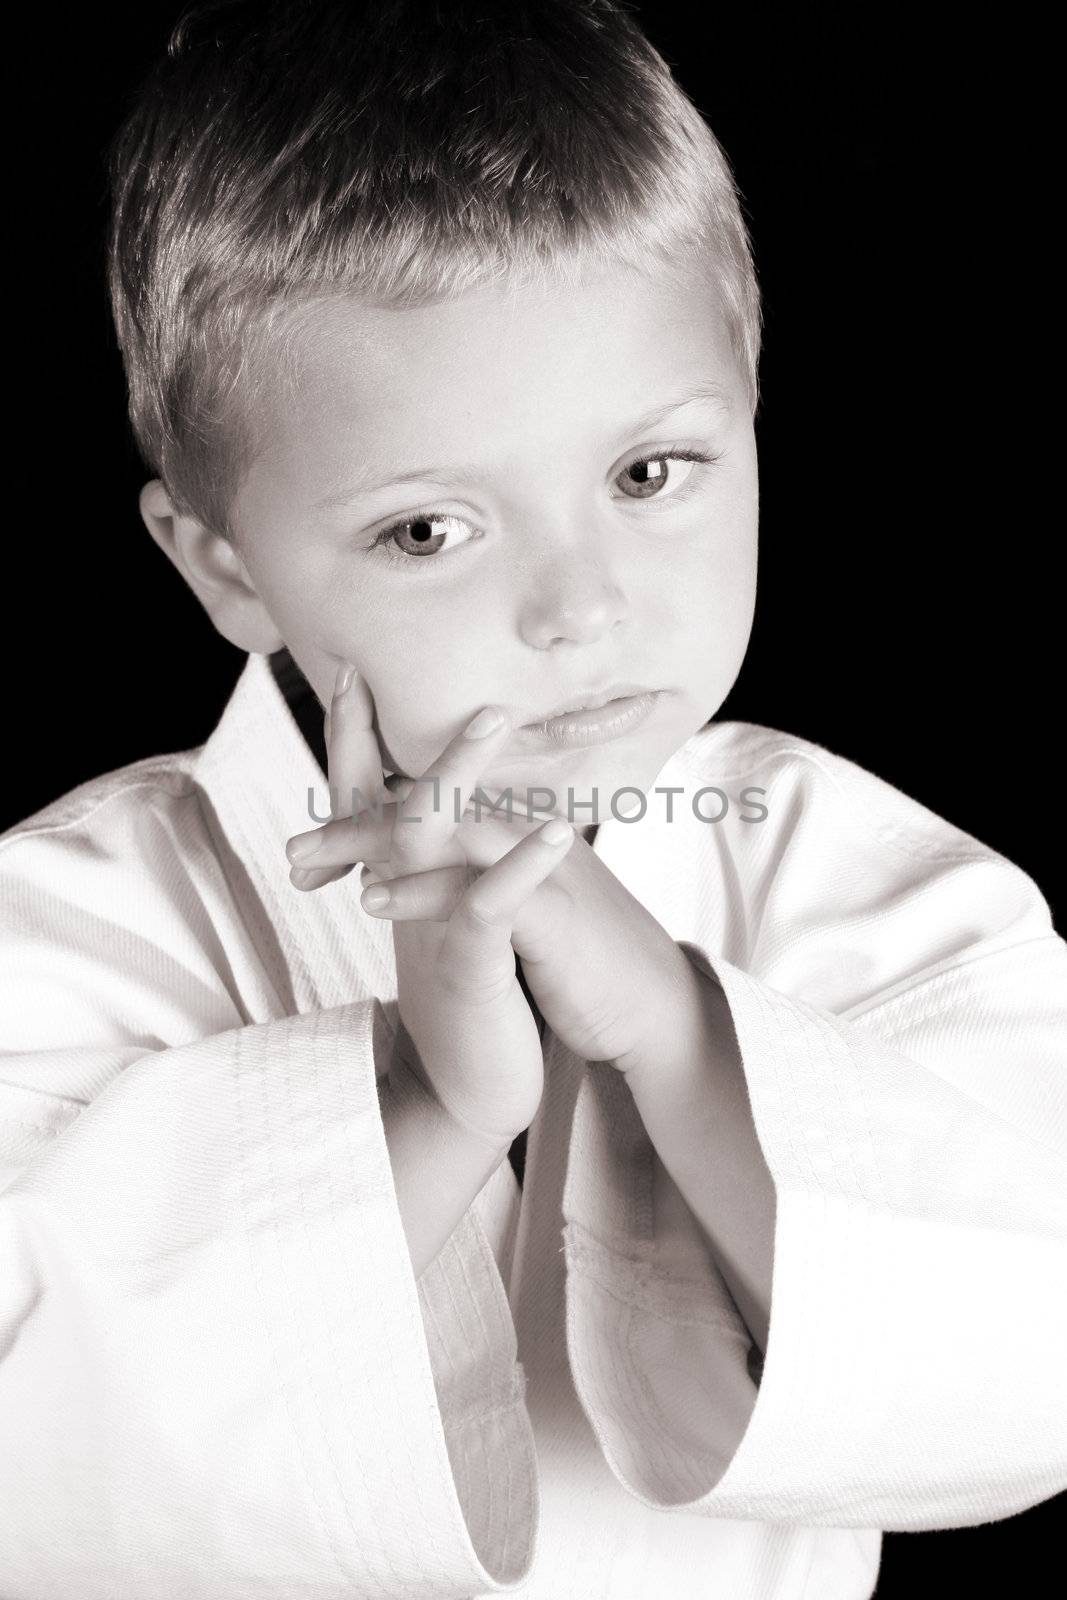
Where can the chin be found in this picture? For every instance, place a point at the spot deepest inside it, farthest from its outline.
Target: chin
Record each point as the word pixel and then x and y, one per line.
pixel 575 776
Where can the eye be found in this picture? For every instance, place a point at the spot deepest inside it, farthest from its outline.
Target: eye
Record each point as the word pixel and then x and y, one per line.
pixel 652 476
pixel 662 475
pixel 424 535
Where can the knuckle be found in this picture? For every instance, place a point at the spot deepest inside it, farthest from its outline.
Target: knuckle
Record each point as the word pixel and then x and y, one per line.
pixel 341 830
pixel 402 865
pixel 480 916
pixel 471 987
pixel 403 849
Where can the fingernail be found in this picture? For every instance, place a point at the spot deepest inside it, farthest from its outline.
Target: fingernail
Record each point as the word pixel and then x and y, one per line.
pixel 303 846
pixel 301 878
pixel 374 898
pixel 485 723
pixel 345 673
pixel 556 831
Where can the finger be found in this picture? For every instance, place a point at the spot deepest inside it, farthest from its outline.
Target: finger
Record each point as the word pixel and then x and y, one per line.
pixel 433 809
pixel 432 895
pixel 354 759
pixel 354 774
pixel 420 897
pixel 522 815
pixel 329 852
pixel 509 820
pixel 479 929
pixel 344 840
pixel 306 878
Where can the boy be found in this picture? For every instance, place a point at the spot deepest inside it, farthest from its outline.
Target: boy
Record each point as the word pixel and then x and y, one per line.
pixel 441 334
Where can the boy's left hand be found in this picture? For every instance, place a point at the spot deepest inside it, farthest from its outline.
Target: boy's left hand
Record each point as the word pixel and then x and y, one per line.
pixel 606 975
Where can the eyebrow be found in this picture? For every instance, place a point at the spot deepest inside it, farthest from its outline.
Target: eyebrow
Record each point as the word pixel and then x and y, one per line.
pixel 706 393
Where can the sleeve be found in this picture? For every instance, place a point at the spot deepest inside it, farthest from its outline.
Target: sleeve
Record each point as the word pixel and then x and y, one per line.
pixel 218 1374
pixel 917 1140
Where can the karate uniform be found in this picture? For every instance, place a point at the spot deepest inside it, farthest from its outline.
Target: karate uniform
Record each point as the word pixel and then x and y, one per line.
pixel 219 1376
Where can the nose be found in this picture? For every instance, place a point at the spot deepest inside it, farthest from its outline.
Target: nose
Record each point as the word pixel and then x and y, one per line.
pixel 573 602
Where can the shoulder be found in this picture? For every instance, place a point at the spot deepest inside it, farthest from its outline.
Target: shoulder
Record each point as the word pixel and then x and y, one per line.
pixel 789 766
pixel 118 927
pixel 117 832
pixel 155 784
pixel 834 843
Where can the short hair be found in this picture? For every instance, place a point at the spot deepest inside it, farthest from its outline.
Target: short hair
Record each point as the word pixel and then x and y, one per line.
pixel 394 151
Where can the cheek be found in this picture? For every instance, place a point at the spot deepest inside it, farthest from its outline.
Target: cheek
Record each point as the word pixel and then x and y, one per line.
pixel 423 691
pixel 711 573
pixel 713 594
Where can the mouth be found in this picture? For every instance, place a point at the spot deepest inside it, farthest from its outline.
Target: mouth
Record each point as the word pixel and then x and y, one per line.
pixel 589 700
pixel 595 715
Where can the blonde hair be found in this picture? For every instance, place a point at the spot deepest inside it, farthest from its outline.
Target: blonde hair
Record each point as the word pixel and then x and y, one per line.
pixel 395 151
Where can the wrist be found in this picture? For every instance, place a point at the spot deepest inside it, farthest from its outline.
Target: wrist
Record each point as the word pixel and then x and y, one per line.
pixel 688 993
pixel 410 1093
pixel 438 1169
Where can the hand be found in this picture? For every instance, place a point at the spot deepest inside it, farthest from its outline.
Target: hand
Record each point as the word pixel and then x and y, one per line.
pixel 476 1045
pixel 608 978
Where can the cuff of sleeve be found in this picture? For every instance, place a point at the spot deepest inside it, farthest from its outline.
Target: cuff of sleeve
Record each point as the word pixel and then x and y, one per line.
pixel 884 1400
pixel 408 1399
pixel 481 1392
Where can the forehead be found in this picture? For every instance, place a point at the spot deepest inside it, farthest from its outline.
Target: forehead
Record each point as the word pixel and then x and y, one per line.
pixel 512 364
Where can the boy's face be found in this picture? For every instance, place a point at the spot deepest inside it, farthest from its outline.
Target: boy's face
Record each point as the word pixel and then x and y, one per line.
pixel 529 563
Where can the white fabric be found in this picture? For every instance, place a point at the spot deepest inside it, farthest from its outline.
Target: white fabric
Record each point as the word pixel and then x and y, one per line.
pixel 220 1377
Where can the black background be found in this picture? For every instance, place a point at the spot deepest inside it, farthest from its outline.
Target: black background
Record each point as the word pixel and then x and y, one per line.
pixel 909 613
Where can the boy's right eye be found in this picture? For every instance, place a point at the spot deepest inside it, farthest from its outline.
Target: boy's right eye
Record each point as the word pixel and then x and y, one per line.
pixel 417 537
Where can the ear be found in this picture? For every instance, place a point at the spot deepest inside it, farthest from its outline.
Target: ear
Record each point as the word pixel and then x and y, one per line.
pixel 213 570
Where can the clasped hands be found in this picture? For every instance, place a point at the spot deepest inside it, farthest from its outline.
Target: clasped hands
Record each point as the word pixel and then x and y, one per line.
pixel 606 975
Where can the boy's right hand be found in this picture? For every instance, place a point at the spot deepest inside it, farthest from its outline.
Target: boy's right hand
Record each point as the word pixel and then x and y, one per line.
pixel 477 1049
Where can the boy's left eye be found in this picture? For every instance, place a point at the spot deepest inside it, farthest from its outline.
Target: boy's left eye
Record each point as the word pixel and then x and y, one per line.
pixel 650 475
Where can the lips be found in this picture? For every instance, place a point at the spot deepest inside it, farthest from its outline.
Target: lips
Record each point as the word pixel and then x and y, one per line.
pixel 590 700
